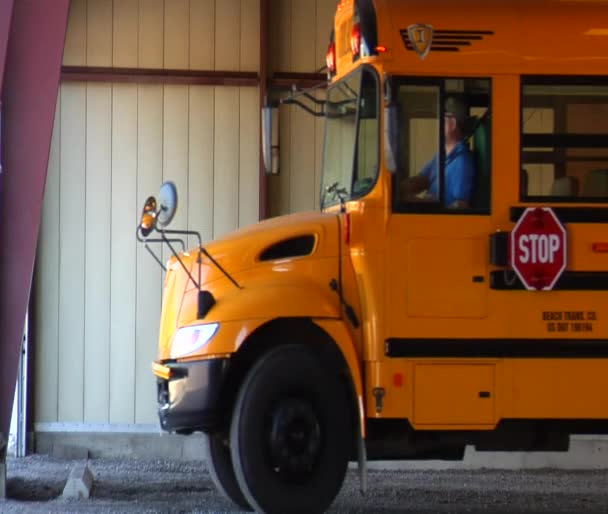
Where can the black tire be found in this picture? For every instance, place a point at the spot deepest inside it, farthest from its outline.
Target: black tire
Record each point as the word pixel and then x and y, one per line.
pixel 291 434
pixel 219 464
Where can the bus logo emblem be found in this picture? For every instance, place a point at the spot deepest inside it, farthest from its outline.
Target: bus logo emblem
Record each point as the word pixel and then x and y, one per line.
pixel 421 37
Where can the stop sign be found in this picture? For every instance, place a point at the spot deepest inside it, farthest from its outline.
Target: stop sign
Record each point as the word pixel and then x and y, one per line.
pixel 538 248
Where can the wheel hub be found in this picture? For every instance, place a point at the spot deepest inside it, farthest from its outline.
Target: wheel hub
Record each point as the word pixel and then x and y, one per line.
pixel 295 437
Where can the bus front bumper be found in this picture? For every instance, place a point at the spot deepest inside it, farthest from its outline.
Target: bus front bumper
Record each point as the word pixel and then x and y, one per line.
pixel 188 394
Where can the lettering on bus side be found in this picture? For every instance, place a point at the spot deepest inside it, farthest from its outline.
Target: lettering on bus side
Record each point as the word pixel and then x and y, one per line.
pixel 569 321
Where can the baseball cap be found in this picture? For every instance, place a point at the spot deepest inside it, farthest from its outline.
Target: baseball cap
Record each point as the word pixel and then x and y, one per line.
pixel 457 108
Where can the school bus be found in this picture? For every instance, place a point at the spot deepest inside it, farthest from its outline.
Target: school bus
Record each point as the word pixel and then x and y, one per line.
pixel 401 322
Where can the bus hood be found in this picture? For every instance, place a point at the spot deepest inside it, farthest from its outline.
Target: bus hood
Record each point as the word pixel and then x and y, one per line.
pixel 297 250
pixel 281 238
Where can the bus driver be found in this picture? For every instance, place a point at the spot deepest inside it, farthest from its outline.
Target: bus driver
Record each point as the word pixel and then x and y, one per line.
pixel 459 162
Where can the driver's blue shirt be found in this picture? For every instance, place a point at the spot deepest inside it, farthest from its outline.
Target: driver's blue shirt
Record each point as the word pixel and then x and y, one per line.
pixel 459 171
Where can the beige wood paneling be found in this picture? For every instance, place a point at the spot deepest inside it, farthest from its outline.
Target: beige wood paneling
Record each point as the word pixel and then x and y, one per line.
pixel 72 252
pixel 202 35
pixel 175 145
pixel 123 275
pixel 280 35
pixel 99 291
pixel 226 160
pixel 298 23
pixel 46 289
pixel 250 35
pixel 98 180
pixel 75 48
pixel 177 34
pixel 281 184
pixel 151 33
pixel 249 167
pixel 175 151
pixel 319 142
pixel 99 33
pixel 125 33
pixel 148 299
pixel 201 158
pixel 227 42
pixel 326 10
pixel 302 161
pixel 303 36
pixel 280 60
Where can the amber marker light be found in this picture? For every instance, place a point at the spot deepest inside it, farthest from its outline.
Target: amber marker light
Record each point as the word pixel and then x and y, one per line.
pixel 381 49
pixel 161 371
pixel 398 379
pixel 600 247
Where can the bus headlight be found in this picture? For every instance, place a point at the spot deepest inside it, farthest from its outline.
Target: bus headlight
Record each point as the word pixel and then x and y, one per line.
pixel 190 339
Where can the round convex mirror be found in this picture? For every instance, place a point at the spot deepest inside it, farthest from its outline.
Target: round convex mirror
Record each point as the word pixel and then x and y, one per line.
pixel 167 199
pixel 148 217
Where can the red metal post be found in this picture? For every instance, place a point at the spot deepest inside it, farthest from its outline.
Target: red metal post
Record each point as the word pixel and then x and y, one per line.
pixel 6 13
pixel 29 93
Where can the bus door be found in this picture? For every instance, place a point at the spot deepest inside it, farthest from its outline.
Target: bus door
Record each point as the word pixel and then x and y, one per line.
pixel 437 263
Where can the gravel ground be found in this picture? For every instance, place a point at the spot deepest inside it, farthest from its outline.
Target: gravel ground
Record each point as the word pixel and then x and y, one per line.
pixel 34 484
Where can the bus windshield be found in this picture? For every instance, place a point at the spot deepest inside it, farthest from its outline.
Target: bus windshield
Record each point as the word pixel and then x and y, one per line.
pixel 350 158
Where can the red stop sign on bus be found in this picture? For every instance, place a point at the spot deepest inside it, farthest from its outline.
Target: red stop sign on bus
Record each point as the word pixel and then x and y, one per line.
pixel 538 248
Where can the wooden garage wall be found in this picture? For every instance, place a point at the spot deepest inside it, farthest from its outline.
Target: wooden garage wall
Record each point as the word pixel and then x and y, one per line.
pixel 97 292
pixel 299 38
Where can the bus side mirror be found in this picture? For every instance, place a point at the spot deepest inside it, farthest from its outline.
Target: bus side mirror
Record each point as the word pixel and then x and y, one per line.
pixel 270 139
pixel 391 136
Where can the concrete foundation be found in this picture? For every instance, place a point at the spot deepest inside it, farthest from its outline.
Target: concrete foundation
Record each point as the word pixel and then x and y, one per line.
pixel 79 445
pixel 586 452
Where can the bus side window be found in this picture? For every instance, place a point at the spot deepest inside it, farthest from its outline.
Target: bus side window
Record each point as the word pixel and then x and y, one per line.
pixel 565 138
pixel 445 145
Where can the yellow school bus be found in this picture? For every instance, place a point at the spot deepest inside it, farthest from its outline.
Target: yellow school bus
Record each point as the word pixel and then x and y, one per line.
pixel 453 288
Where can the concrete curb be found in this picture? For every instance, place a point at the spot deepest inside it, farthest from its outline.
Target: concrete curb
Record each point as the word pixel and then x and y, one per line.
pixel 586 453
pixel 79 482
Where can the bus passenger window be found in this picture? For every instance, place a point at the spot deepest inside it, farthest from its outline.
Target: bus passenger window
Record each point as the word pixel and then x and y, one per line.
pixel 444 153
pixel 565 139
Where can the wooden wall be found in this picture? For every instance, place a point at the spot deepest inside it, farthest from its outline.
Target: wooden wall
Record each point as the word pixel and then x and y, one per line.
pixel 299 39
pixel 97 292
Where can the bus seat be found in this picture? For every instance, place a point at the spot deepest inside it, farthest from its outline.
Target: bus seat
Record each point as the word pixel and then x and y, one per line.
pixel 481 152
pixel 565 186
pixel 596 184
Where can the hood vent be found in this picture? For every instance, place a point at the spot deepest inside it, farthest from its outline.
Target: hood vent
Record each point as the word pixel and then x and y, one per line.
pixel 294 247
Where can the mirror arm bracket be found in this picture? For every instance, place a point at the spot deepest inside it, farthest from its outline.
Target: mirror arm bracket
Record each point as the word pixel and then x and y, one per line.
pixel 204 252
pixel 290 101
pixel 176 255
pixel 160 263
pixel 219 266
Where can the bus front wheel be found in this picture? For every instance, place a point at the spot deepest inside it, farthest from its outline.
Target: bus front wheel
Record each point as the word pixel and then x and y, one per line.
pixel 290 434
pixel 219 464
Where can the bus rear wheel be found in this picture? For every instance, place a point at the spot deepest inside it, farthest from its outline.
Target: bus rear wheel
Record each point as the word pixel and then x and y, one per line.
pixel 219 464
pixel 290 434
